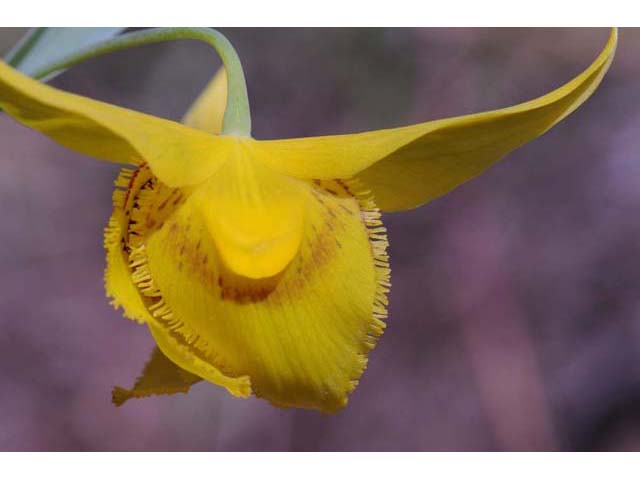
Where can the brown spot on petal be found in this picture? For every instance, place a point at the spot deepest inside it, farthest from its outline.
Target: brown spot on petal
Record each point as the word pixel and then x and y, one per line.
pixel 163 204
pixel 238 289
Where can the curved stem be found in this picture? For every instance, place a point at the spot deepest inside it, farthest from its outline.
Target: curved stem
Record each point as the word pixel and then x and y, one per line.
pixel 237 116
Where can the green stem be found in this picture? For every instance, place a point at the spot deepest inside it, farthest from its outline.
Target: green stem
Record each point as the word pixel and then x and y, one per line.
pixel 237 116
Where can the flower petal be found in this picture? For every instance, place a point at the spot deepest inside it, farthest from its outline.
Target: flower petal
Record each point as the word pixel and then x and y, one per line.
pixel 207 112
pixel 117 276
pixel 178 350
pixel 254 215
pixel 301 336
pixel 177 154
pixel 406 167
pixel 124 277
pixel 160 377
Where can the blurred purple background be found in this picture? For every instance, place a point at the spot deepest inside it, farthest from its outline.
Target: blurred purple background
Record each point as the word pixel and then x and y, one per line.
pixel 515 315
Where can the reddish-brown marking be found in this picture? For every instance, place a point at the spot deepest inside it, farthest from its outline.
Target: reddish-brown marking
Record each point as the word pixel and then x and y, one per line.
pixel 163 204
pixel 238 289
pixel 178 198
pixel 346 209
pixel 131 180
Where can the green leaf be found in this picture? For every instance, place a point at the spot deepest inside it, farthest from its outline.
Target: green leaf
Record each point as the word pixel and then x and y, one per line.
pixel 42 46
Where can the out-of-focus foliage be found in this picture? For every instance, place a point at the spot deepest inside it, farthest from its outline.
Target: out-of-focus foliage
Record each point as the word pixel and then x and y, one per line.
pixel 9 37
pixel 40 46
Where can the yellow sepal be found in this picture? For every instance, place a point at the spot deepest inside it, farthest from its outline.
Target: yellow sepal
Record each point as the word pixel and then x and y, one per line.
pixel 409 166
pixel 176 154
pixel 207 112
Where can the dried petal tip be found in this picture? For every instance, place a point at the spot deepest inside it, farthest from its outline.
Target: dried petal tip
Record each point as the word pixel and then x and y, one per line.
pixel 119 395
pixel 160 377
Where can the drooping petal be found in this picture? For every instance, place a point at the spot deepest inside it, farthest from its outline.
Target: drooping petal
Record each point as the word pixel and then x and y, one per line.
pixel 207 112
pixel 177 154
pixel 162 374
pixel 176 347
pixel 302 335
pixel 126 295
pixel 406 167
pixel 126 281
pixel 160 377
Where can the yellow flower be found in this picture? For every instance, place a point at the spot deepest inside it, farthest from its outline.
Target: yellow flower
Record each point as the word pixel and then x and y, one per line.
pixel 261 266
